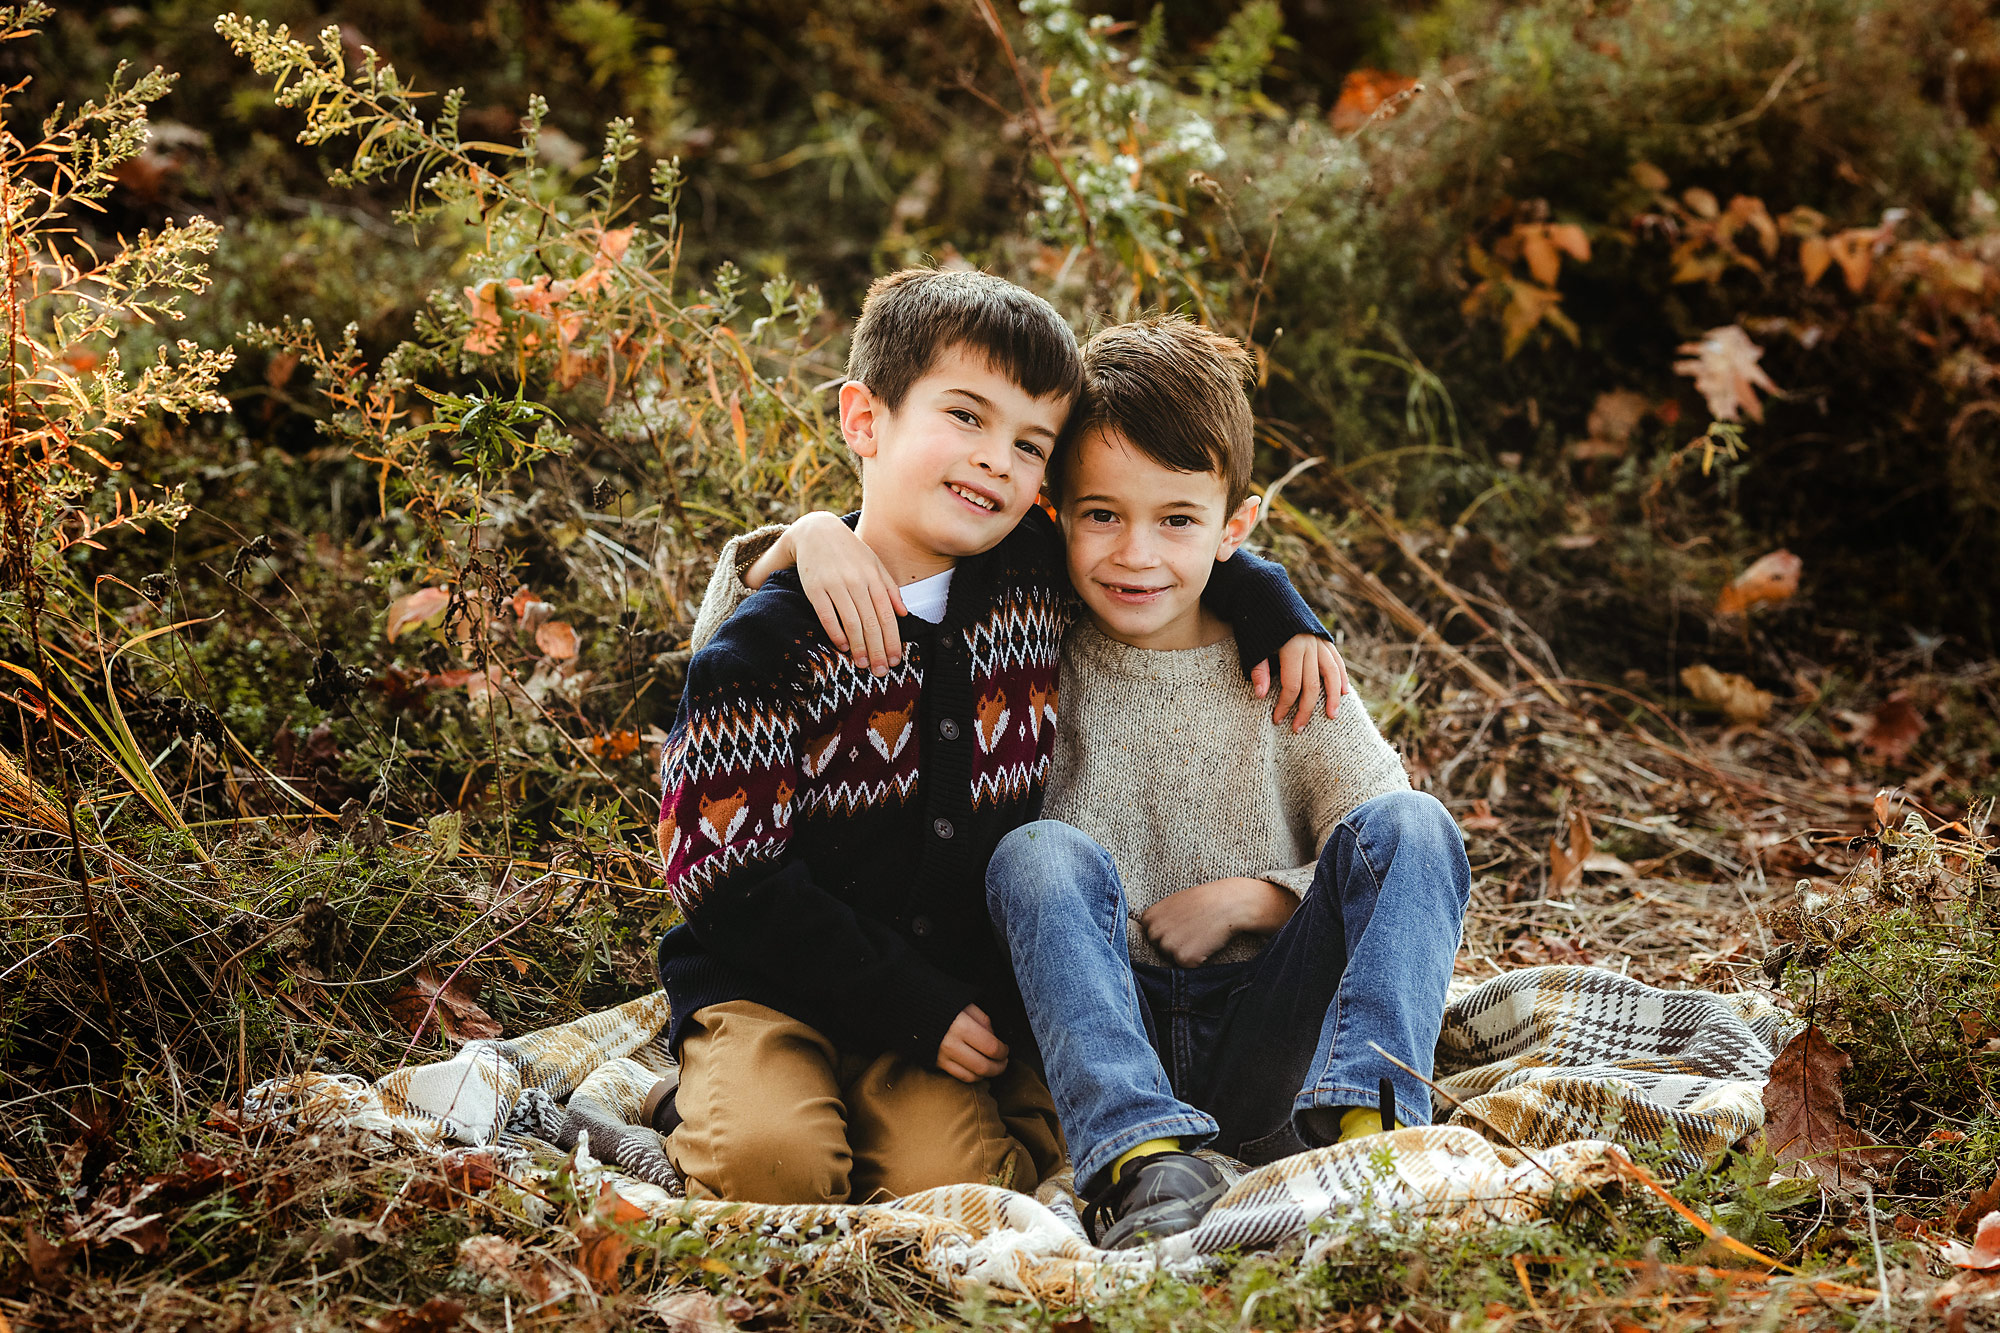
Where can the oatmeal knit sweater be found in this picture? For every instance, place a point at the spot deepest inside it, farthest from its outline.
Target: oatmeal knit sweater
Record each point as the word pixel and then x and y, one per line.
pixel 1171 763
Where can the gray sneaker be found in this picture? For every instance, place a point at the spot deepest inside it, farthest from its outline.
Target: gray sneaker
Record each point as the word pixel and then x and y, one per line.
pixel 1157 1196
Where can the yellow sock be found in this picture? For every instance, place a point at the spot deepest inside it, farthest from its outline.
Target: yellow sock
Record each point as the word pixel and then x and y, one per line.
pixel 1146 1149
pixel 1360 1122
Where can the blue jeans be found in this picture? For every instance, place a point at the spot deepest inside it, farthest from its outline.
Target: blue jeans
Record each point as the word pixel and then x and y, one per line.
pixel 1231 1054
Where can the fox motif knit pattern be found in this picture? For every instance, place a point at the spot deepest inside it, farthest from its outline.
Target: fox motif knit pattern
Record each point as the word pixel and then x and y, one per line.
pixel 827 830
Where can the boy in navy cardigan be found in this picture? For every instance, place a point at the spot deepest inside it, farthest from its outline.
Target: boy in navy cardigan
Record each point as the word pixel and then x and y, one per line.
pixel 842 1010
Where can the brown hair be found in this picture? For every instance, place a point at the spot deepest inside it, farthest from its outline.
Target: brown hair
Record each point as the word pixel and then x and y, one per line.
pixel 913 317
pixel 1176 392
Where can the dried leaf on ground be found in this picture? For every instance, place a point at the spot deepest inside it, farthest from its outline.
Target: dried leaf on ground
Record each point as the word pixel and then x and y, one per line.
pixel 1566 864
pixel 1983 1253
pixel 1770 578
pixel 1740 700
pixel 699 1312
pixel 605 1242
pixel 557 639
pixel 414 609
pixel 439 1314
pixel 1724 367
pixel 1890 731
pixel 1805 1116
pixel 455 1007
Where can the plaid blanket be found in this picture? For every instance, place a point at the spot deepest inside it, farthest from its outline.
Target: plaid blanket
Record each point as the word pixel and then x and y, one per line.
pixel 1547 1076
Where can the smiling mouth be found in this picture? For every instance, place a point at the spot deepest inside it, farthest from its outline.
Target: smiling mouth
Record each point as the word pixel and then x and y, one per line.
pixel 1128 592
pixel 972 497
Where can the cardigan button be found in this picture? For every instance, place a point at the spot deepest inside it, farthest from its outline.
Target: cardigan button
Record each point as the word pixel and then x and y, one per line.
pixel 920 926
pixel 948 728
pixel 943 828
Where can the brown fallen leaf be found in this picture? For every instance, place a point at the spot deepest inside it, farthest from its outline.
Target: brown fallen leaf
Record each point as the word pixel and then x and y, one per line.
pixel 414 609
pixel 1983 1253
pixel 455 1007
pixel 1805 1116
pixel 1981 1202
pixel 557 640
pixel 1724 367
pixel 1566 863
pixel 1740 700
pixel 604 1236
pixel 1770 578
pixel 439 1314
pixel 1892 729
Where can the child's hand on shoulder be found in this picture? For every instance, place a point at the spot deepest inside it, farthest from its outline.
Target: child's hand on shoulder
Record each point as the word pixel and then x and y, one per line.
pixel 1189 926
pixel 847 584
pixel 1310 670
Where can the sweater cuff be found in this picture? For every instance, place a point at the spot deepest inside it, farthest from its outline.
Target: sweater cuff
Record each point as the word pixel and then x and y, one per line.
pixel 726 588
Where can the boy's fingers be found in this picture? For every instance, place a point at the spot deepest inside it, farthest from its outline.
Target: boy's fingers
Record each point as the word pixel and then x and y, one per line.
pixel 829 618
pixel 956 1070
pixel 1260 679
pixel 1289 664
pixel 1336 678
pixel 871 634
pixel 885 610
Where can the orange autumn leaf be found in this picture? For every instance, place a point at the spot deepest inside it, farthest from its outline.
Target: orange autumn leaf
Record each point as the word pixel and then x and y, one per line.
pixel 1362 94
pixel 414 609
pixel 1736 696
pixel 1771 578
pixel 1815 255
pixel 557 639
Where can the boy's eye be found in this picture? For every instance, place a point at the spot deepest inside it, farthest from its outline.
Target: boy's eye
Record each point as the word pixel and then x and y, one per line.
pixel 962 415
pixel 1180 520
pixel 1029 447
pixel 1099 516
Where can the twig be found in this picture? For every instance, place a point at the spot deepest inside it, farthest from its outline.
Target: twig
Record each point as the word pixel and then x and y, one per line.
pixel 1457 598
pixel 1875 1239
pixel 1395 607
pixel 992 17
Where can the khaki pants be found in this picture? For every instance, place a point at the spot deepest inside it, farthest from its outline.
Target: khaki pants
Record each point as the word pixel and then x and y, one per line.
pixel 774 1113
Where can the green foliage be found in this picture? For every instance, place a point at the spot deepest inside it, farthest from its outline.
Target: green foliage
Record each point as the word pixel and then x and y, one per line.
pixel 1900 968
pixel 68 303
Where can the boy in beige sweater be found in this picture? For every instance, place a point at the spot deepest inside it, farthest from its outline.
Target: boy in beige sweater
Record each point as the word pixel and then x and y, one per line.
pixel 1217 919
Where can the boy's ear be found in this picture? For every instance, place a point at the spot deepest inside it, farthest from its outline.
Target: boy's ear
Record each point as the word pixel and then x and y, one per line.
pixel 861 412
pixel 1237 530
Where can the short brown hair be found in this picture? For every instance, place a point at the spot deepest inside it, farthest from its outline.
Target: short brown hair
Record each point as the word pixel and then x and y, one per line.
pixel 913 317
pixel 1176 392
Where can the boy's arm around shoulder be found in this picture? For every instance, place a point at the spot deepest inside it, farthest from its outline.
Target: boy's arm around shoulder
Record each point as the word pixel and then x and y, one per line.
pixel 1328 770
pixel 1258 600
pixel 730 774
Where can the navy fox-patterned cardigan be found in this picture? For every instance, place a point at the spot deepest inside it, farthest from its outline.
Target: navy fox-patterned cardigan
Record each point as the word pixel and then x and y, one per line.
pixel 827 831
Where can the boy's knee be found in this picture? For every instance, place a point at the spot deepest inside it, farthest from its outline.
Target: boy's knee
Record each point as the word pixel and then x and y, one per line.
pixel 1036 858
pixel 774 1163
pixel 1408 816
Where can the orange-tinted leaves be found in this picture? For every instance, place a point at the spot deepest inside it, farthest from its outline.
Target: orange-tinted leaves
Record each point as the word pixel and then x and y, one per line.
pixel 1739 700
pixel 414 609
pixel 1771 578
pixel 557 640
pixel 605 1242
pixel 1362 94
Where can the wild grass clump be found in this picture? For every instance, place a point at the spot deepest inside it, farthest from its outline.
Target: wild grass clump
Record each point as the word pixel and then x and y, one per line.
pixel 1901 968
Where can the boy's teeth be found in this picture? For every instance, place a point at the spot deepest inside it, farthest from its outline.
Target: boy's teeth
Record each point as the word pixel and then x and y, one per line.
pixel 975 497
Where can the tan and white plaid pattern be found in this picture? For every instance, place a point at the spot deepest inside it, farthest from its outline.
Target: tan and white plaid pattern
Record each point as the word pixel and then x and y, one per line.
pixel 1555 1071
